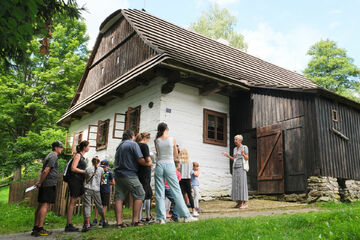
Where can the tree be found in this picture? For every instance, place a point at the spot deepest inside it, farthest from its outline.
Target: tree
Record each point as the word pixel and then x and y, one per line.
pixel 217 23
pixel 36 92
pixel 332 69
pixel 21 20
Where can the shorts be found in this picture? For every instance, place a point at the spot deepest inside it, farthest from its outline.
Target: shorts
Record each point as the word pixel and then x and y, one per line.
pixel 105 199
pixel 76 188
pixel 124 185
pixel 47 194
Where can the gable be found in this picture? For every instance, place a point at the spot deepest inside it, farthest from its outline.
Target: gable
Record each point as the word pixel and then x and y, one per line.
pixel 119 50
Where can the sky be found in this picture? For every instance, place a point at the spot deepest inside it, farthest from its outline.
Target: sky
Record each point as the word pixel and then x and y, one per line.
pixel 278 31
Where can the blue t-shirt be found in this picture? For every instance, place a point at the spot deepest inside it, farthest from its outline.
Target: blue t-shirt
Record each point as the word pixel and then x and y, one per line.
pixel 106 183
pixel 126 159
pixel 194 179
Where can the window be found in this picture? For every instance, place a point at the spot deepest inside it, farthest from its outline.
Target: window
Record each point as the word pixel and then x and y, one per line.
pixel 71 141
pixel 102 134
pixel 132 120
pixel 92 133
pixel 77 138
pixel 102 71
pixel 117 60
pixel 112 40
pixel 119 125
pixel 334 115
pixel 215 127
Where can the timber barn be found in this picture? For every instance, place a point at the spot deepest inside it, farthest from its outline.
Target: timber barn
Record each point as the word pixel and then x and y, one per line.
pixel 144 70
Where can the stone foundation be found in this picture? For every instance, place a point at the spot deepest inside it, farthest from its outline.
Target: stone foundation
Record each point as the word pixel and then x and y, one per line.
pixel 351 191
pixel 323 189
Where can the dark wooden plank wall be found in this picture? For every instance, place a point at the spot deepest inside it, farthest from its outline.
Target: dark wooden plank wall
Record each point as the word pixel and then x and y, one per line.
pixel 296 114
pixel 339 157
pixel 130 53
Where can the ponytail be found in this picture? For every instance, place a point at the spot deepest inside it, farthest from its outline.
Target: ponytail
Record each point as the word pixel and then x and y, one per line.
pixel 161 129
pixel 82 145
pixel 142 136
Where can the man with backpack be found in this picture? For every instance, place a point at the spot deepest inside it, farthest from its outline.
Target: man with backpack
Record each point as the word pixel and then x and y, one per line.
pixel 47 188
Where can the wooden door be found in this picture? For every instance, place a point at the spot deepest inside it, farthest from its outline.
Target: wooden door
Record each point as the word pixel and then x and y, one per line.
pixel 270 160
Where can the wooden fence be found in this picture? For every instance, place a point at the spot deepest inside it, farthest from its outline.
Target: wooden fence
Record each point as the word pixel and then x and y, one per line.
pixel 17 194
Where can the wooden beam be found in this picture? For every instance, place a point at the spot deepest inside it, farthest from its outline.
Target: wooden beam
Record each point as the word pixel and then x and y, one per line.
pixel 209 89
pixel 117 94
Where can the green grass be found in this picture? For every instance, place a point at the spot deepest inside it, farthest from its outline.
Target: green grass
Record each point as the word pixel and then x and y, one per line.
pixel 15 218
pixel 4 195
pixel 339 221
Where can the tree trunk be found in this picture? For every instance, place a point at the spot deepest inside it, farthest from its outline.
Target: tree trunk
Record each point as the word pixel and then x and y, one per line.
pixel 17 174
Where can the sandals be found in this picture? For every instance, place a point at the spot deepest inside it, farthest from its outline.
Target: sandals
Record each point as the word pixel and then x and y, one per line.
pixel 122 225
pixel 137 224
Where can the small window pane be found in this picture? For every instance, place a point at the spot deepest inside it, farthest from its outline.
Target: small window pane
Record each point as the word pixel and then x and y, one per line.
pixel 220 136
pixel 211 122
pixel 211 134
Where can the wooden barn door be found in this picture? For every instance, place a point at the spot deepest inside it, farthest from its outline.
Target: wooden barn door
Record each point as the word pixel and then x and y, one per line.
pixel 270 160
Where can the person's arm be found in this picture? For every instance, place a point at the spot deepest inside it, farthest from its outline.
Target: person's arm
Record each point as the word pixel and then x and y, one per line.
pixel 144 162
pixel 175 151
pixel 245 154
pixel 197 173
pixel 43 176
pixel 75 163
pixel 228 156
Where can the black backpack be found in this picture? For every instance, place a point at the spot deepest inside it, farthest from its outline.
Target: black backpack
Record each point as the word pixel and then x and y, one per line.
pixel 67 172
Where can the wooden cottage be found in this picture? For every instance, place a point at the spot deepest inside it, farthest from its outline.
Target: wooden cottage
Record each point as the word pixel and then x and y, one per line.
pixel 144 70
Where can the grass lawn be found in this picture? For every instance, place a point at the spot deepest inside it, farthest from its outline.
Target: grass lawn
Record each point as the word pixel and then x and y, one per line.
pixel 339 221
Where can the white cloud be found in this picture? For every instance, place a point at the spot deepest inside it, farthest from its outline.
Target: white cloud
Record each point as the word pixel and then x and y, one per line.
pixel 96 13
pixel 287 50
pixel 334 24
pixel 335 12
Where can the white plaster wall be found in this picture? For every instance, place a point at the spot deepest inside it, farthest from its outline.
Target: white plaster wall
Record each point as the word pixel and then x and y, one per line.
pixel 185 122
pixel 149 118
pixel 186 125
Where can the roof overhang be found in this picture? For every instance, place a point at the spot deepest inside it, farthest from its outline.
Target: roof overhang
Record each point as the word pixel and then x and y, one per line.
pixel 75 111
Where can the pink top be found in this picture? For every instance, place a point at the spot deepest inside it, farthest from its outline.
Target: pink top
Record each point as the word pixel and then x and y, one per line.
pixel 178 174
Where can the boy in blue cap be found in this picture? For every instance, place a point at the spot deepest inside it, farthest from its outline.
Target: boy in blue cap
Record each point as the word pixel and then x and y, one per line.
pixel 105 184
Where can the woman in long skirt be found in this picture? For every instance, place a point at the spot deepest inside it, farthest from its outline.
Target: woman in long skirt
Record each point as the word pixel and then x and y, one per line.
pixel 239 190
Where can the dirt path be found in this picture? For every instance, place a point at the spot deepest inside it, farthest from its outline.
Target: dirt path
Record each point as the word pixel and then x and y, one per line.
pixel 211 209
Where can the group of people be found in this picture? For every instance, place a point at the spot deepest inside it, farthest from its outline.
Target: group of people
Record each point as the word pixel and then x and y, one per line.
pixel 175 180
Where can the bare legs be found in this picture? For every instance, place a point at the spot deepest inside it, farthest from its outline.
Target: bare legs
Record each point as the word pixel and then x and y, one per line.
pixel 40 214
pixel 70 210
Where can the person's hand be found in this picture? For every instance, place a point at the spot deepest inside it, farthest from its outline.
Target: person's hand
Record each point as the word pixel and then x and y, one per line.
pixel 149 164
pixel 225 154
pixel 38 184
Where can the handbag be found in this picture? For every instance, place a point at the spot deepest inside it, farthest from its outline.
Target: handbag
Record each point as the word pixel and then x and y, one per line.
pixel 245 162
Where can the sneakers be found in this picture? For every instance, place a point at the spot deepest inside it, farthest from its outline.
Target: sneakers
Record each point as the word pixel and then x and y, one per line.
pixel 86 228
pixel 105 224
pixel 41 232
pixel 189 219
pixel 34 231
pixel 101 222
pixel 195 214
pixel 94 222
pixel 161 221
pixel 71 228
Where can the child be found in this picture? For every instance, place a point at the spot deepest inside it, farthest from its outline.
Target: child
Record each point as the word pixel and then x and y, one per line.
pixel 195 185
pixel 92 191
pixel 107 181
pixel 170 197
pixel 144 175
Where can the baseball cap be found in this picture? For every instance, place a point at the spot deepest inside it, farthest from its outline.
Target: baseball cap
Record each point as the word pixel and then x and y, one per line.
pixel 57 144
pixel 104 163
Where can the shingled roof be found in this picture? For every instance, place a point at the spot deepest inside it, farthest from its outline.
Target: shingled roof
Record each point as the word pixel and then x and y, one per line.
pixel 201 52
